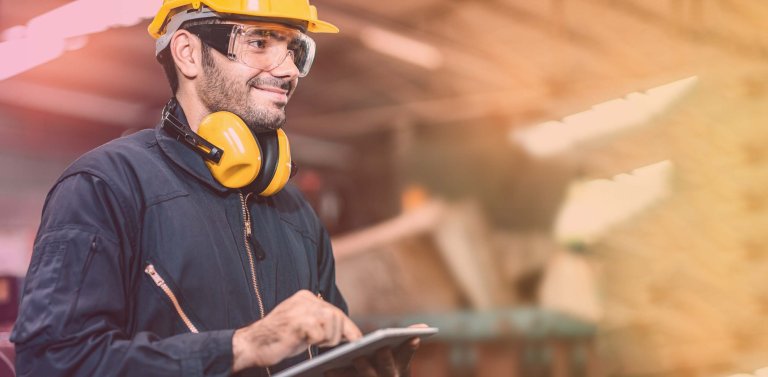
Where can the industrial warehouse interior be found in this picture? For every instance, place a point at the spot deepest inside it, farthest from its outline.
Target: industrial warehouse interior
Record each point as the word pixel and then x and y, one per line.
pixel 564 188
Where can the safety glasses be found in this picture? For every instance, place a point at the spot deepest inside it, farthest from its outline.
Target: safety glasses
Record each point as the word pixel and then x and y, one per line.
pixel 259 46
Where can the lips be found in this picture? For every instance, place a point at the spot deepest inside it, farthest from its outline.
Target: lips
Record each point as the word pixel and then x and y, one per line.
pixel 277 94
pixel 272 89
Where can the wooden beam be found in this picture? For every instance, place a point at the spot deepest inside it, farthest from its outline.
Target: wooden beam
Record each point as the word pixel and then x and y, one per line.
pixel 419 221
pixel 433 111
pixel 462 237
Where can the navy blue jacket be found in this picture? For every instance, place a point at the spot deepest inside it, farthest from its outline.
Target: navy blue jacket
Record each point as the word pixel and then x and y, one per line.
pixel 92 306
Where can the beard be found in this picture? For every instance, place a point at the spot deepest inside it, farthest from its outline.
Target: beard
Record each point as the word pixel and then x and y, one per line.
pixel 220 93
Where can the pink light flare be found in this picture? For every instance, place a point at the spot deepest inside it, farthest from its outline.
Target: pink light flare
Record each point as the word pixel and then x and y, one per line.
pixel 48 35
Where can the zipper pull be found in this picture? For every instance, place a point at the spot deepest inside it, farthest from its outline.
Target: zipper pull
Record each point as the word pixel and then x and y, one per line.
pixel 150 270
pixel 246 214
pixel 258 250
pixel 260 255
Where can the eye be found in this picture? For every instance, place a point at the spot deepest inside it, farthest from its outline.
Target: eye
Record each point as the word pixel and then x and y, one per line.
pixel 266 39
pixel 260 39
pixel 258 43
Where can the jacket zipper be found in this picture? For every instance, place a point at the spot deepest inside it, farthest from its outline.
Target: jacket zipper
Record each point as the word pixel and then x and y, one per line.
pixel 247 239
pixel 150 270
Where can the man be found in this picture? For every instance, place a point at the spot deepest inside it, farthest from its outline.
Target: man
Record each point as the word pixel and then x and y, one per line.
pixel 150 262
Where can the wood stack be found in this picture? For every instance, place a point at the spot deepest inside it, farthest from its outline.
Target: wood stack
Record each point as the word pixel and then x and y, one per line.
pixel 684 283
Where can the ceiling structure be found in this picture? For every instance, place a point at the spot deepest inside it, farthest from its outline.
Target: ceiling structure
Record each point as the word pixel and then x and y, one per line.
pixel 511 57
pixel 397 66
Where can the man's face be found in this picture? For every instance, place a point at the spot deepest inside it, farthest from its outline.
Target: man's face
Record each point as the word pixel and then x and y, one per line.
pixel 257 96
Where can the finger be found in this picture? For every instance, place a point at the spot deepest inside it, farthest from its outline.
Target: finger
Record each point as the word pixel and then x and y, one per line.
pixel 364 367
pixel 341 372
pixel 416 341
pixel 338 326
pixel 327 322
pixel 314 333
pixel 385 363
pixel 332 328
pixel 404 353
pixel 351 332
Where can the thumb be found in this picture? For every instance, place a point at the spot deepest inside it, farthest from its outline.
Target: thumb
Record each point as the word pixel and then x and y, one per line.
pixel 404 353
pixel 416 341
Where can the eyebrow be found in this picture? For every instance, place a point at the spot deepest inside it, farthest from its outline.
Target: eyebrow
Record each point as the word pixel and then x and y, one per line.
pixel 279 35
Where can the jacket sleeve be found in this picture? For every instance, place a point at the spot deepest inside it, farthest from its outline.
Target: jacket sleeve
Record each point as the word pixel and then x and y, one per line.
pixel 327 272
pixel 74 315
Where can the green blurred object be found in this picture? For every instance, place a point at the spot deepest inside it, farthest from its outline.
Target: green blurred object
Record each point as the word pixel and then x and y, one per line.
pixel 527 323
pixel 528 341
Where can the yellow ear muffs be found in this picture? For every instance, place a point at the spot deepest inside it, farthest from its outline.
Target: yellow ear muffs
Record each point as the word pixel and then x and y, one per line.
pixel 241 161
pixel 263 162
pixel 235 156
pixel 283 165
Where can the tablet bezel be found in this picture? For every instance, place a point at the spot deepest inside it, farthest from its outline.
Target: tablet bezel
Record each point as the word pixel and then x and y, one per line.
pixel 343 355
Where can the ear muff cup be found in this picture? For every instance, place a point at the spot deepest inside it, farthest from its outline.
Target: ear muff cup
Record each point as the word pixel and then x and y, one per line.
pixel 277 165
pixel 261 162
pixel 269 154
pixel 241 161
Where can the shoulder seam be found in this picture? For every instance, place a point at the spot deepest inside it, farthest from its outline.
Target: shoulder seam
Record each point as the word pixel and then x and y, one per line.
pixel 109 184
pixel 87 229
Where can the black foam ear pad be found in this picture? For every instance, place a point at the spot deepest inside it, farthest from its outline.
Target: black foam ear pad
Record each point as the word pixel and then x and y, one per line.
pixel 270 152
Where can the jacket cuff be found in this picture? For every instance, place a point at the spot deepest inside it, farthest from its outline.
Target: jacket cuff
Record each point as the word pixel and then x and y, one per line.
pixel 210 354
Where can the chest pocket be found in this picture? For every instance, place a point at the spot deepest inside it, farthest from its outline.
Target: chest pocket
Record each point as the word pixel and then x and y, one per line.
pixel 184 248
pixel 166 287
pixel 290 257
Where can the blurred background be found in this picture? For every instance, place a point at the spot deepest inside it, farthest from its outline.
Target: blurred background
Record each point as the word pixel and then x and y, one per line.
pixel 564 187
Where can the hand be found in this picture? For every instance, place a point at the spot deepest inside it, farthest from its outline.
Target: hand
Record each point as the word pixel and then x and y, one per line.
pixel 295 324
pixel 386 362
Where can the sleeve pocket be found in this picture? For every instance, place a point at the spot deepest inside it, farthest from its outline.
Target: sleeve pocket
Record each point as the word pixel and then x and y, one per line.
pixel 52 283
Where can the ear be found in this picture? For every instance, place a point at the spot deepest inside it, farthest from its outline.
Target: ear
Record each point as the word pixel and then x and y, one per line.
pixel 186 51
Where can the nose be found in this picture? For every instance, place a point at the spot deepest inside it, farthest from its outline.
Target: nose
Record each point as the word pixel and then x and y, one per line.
pixel 286 68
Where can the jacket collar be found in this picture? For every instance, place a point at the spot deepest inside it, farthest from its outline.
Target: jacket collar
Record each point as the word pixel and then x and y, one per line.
pixel 183 156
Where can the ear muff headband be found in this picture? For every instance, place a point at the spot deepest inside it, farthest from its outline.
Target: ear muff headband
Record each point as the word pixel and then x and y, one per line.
pixel 177 128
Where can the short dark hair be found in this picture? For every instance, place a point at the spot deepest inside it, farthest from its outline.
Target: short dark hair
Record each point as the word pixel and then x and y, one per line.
pixel 165 58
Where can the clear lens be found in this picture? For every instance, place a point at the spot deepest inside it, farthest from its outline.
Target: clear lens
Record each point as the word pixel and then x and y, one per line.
pixel 266 48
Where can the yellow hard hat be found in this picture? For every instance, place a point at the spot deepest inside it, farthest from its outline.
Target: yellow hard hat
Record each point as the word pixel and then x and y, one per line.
pixel 297 10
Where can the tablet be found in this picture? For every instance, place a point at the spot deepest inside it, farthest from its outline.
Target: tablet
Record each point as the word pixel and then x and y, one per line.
pixel 342 355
